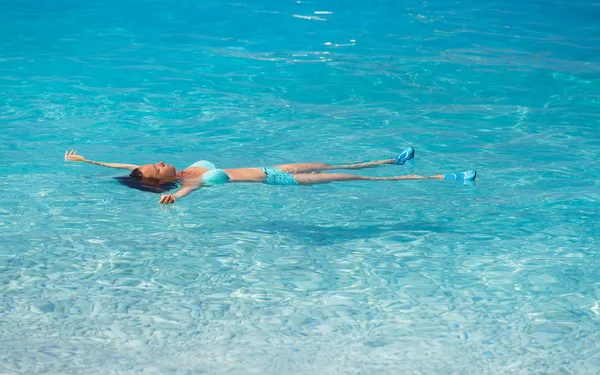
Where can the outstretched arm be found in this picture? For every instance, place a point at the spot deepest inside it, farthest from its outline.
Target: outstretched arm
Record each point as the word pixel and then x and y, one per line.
pixel 186 188
pixel 74 157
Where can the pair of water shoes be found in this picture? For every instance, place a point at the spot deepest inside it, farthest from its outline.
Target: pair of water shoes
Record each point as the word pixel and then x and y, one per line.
pixel 409 153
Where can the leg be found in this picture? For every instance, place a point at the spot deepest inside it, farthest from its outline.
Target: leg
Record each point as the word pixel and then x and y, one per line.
pixel 405 155
pixel 318 167
pixel 324 178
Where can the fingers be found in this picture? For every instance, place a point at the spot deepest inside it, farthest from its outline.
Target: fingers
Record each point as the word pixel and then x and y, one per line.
pixel 69 155
pixel 166 199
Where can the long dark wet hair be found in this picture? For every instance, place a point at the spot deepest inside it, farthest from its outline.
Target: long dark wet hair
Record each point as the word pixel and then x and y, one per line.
pixel 137 181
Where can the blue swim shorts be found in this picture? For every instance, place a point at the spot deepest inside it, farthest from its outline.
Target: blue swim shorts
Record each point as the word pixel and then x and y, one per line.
pixel 278 177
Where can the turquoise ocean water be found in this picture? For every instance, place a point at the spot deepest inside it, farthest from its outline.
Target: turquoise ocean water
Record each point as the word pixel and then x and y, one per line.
pixel 501 276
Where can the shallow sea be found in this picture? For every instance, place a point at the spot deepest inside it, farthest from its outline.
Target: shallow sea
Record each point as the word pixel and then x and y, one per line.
pixel 500 276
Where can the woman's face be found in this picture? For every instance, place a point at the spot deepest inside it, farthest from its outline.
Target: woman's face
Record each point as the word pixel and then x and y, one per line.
pixel 158 171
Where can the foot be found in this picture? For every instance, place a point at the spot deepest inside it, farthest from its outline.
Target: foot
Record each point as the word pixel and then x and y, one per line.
pixel 462 176
pixel 407 154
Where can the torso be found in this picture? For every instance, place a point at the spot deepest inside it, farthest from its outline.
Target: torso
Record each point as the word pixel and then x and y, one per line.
pixel 235 174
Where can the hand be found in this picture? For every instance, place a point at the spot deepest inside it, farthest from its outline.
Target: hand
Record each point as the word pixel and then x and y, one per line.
pixel 73 156
pixel 166 199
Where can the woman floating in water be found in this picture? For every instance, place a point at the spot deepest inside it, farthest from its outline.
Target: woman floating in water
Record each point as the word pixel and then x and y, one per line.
pixel 153 176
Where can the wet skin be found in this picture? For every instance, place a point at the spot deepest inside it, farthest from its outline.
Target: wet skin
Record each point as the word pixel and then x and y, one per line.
pixel 166 172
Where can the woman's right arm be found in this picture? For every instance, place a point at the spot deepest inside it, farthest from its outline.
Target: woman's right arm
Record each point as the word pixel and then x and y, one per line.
pixel 74 157
pixel 186 188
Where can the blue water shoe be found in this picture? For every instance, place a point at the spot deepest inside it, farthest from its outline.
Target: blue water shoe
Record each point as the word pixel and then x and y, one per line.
pixel 405 155
pixel 462 176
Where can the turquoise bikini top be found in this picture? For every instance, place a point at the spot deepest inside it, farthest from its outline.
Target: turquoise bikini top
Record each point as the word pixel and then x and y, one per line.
pixel 214 176
pixel 203 164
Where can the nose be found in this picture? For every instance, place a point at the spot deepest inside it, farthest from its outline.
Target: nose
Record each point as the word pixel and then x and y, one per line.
pixel 161 163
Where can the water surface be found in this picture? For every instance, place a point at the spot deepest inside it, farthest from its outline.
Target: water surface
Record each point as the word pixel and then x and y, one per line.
pixel 499 276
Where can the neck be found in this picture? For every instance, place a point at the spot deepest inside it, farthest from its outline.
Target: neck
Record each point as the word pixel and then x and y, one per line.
pixel 180 174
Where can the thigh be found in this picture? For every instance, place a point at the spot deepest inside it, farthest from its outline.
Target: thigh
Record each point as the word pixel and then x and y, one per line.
pixel 303 167
pixel 324 178
pixel 311 178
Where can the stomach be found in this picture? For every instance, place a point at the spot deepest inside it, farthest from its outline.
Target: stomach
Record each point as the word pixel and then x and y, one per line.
pixel 246 174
